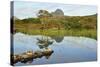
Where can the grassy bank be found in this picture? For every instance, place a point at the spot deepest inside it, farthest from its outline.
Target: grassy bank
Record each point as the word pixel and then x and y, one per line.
pixel 85 26
pixel 91 33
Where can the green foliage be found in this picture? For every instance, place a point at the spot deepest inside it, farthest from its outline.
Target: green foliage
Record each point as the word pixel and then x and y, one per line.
pixel 43 13
pixel 69 25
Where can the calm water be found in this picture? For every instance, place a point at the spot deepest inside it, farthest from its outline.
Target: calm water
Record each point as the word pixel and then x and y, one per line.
pixel 66 49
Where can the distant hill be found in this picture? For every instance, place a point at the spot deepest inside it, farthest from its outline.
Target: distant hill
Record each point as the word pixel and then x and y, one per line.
pixel 58 12
pixel 88 22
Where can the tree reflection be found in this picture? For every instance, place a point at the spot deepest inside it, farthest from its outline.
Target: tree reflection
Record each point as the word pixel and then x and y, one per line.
pixel 44 42
pixel 29 56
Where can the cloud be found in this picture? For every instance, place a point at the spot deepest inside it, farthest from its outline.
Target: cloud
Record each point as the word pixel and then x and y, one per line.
pixel 24 9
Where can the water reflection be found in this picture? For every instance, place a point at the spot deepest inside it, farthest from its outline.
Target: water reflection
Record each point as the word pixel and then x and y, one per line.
pixel 28 57
pixel 44 42
pixel 58 49
pixel 58 39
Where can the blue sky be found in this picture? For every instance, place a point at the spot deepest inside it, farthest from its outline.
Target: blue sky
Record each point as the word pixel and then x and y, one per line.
pixel 25 9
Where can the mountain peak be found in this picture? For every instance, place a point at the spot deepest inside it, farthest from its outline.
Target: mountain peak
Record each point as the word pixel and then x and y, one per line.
pixel 58 12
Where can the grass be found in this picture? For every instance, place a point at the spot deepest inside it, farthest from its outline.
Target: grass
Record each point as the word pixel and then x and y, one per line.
pixel 91 33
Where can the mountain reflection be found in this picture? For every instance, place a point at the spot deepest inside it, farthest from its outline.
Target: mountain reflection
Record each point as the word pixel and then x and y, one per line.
pixel 36 49
pixel 58 39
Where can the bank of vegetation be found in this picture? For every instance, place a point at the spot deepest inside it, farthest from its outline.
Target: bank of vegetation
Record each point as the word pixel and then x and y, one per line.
pixel 53 25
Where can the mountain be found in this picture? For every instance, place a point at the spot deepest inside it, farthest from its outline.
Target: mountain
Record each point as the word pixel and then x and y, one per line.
pixel 58 12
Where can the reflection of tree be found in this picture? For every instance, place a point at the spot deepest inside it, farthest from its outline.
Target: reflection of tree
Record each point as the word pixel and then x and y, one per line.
pixel 44 42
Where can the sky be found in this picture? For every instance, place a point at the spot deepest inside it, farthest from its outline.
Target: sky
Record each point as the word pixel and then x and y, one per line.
pixel 26 9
